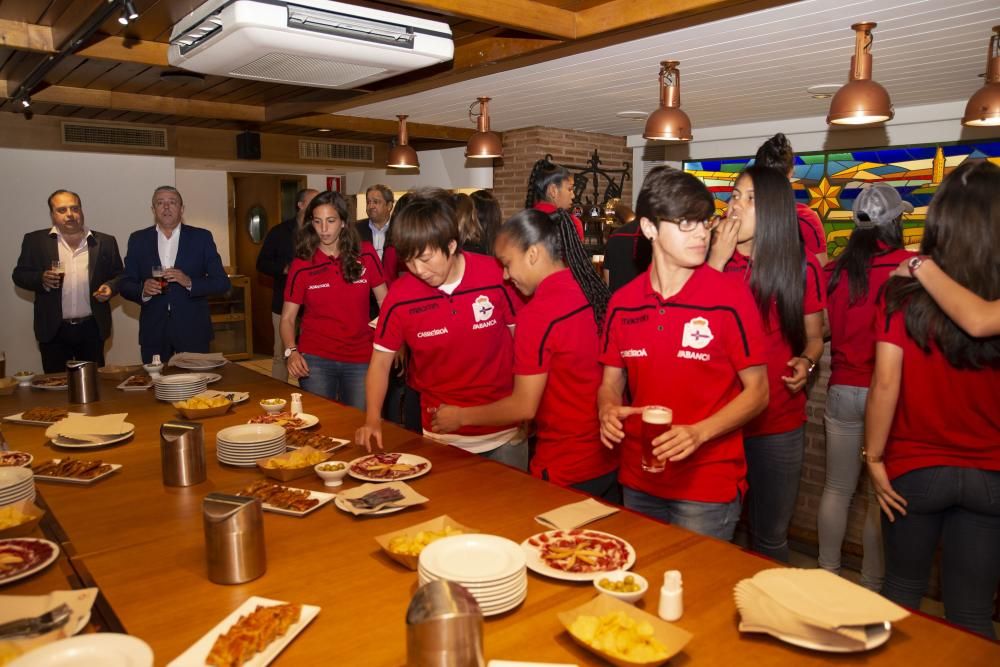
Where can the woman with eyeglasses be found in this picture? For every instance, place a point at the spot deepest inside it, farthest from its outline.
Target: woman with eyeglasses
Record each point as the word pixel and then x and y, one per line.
pixel 759 244
pixel 932 424
pixel 685 337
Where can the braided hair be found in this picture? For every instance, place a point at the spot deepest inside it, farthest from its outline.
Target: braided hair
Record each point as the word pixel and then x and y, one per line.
pixel 557 234
pixel 543 174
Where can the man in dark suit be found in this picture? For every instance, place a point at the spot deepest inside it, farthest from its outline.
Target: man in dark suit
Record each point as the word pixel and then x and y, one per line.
pixel 72 315
pixel 275 257
pixel 378 204
pixel 174 317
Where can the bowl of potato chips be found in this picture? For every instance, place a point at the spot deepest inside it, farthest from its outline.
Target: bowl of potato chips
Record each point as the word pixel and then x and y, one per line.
pixel 201 406
pixel 19 519
pixel 404 546
pixel 293 464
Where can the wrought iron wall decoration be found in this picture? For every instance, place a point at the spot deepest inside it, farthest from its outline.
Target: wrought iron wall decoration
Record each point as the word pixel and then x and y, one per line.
pixel 595 177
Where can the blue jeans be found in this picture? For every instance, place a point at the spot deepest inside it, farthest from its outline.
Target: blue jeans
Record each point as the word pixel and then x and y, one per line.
pixel 774 464
pixel 513 453
pixel 342 381
pixel 960 508
pixel 713 519
pixel 845 429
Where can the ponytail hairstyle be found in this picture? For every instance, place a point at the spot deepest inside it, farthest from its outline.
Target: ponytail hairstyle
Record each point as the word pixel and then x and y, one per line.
pixel 468 225
pixel 779 261
pixel 348 242
pixel 776 153
pixel 557 234
pixel 862 247
pixel 489 216
pixel 962 236
pixel 543 174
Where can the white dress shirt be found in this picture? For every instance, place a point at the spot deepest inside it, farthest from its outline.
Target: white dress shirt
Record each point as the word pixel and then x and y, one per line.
pixel 76 282
pixel 167 247
pixel 378 237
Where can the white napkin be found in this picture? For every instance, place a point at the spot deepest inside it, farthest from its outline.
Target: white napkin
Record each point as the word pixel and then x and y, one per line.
pixel 575 515
pixel 200 359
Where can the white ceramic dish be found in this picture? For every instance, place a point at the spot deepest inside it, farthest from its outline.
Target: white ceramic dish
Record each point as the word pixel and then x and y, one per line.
pixel 17 419
pixel 332 477
pixel 37 567
pixel 66 443
pixel 196 654
pixel 115 467
pixel 135 387
pixel 343 505
pixel 322 497
pixel 273 408
pixel 107 649
pixel 537 564
pixel 876 636
pixel 618 575
pixel 20 455
pixel 407 459
pixel 200 367
pixel 473 557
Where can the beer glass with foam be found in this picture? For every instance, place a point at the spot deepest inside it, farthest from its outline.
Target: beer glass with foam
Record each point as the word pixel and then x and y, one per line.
pixel 656 420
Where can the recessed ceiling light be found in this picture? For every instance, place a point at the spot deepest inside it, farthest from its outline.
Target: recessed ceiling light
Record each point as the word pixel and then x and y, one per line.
pixel 323 129
pixel 823 91
pixel 633 115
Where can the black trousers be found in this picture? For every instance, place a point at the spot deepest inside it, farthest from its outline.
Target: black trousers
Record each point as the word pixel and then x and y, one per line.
pixel 81 341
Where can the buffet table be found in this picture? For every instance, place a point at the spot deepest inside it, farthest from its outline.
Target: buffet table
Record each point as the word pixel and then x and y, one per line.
pixel 142 544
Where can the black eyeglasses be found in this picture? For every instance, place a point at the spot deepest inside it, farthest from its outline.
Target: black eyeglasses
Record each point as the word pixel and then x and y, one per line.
pixel 690 225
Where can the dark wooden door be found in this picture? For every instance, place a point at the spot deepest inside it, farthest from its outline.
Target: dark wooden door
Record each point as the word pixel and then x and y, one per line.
pixel 260 192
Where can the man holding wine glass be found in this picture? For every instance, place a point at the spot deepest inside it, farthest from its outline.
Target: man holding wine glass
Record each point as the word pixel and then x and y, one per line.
pixel 73 272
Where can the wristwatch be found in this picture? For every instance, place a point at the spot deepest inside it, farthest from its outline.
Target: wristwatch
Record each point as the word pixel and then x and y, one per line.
pixel 812 364
pixel 289 350
pixel 915 263
pixel 870 458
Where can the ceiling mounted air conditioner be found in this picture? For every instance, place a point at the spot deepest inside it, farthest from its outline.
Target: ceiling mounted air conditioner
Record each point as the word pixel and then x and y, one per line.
pixel 307 42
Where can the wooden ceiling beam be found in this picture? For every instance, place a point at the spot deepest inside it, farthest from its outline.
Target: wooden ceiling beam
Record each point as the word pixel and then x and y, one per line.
pixel 383 127
pixel 488 49
pixel 26 36
pixel 127 50
pixel 526 15
pixel 618 14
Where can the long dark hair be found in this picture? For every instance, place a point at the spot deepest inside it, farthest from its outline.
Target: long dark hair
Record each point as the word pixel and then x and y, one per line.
pixel 862 247
pixel 469 229
pixel 776 153
pixel 543 174
pixel 962 236
pixel 557 234
pixel 348 242
pixel 779 262
pixel 490 217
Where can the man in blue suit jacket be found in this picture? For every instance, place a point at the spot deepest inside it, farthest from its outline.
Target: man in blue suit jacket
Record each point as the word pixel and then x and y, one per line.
pixel 174 318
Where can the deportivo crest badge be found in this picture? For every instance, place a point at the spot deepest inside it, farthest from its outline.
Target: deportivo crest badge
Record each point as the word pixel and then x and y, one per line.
pixel 482 308
pixel 697 335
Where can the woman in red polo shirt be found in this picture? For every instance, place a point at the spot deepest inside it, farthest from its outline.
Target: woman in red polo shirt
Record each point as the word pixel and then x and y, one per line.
pixel 854 281
pixel 556 372
pixel 785 282
pixel 333 276
pixel 686 337
pixel 932 426
pixel 550 187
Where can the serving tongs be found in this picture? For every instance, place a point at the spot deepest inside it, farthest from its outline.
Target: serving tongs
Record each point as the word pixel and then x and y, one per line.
pixel 51 620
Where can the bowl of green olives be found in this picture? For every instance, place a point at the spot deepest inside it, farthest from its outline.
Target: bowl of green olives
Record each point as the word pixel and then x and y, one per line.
pixel 626 586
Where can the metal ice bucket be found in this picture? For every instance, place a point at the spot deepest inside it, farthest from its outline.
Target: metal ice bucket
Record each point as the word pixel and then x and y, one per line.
pixel 182 453
pixel 444 627
pixel 81 376
pixel 234 538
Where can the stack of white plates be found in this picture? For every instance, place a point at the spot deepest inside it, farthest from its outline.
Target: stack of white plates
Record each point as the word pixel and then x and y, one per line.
pixel 242 445
pixel 491 568
pixel 179 387
pixel 16 484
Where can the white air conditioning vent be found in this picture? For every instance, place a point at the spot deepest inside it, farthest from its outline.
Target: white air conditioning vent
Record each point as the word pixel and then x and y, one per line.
pixel 305 42
pixel 120 136
pixel 335 151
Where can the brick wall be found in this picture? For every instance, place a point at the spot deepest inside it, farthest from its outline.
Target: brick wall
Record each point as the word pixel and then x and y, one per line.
pixel 523 147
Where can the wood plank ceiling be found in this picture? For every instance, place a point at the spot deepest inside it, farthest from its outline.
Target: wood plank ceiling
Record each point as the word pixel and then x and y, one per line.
pixel 121 74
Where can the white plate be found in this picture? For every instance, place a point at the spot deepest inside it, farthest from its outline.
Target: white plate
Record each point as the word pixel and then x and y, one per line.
pixel 536 564
pixel 210 377
pixel 74 480
pixel 408 459
pixel 236 397
pixel 200 367
pixel 135 387
pixel 31 570
pixel 308 421
pixel 14 477
pixel 106 440
pixel 251 433
pixel 876 636
pixel 62 387
pixel 512 582
pixel 196 654
pixel 27 464
pixel 17 419
pixel 342 504
pixel 323 499
pixel 472 557
pixel 341 443
pixel 107 649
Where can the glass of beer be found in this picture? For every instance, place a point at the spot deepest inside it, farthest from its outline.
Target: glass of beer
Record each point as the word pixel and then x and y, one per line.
pixel 158 275
pixel 656 420
pixel 57 267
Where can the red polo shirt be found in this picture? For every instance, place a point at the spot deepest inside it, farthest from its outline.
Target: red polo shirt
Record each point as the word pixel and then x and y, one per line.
pixel 685 353
pixel 335 319
pixel 785 411
pixel 461 351
pixel 556 334
pixel 852 325
pixel 944 416
pixel 811 230
pixel 549 208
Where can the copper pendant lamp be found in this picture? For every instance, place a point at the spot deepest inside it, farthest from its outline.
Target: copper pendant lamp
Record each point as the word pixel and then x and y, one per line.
pixel 668 122
pixel 861 101
pixel 983 108
pixel 402 155
pixel 483 144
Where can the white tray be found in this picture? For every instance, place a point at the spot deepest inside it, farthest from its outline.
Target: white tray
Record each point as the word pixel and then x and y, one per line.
pixel 75 480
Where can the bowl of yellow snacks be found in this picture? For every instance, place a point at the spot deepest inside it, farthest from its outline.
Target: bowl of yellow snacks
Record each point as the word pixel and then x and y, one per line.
pixel 626 586
pixel 623 635
pixel 293 464
pixel 201 406
pixel 404 546
pixel 19 519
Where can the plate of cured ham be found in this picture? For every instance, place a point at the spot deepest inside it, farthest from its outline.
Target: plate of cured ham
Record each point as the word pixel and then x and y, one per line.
pixel 577 555
pixel 22 557
pixel 388 467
